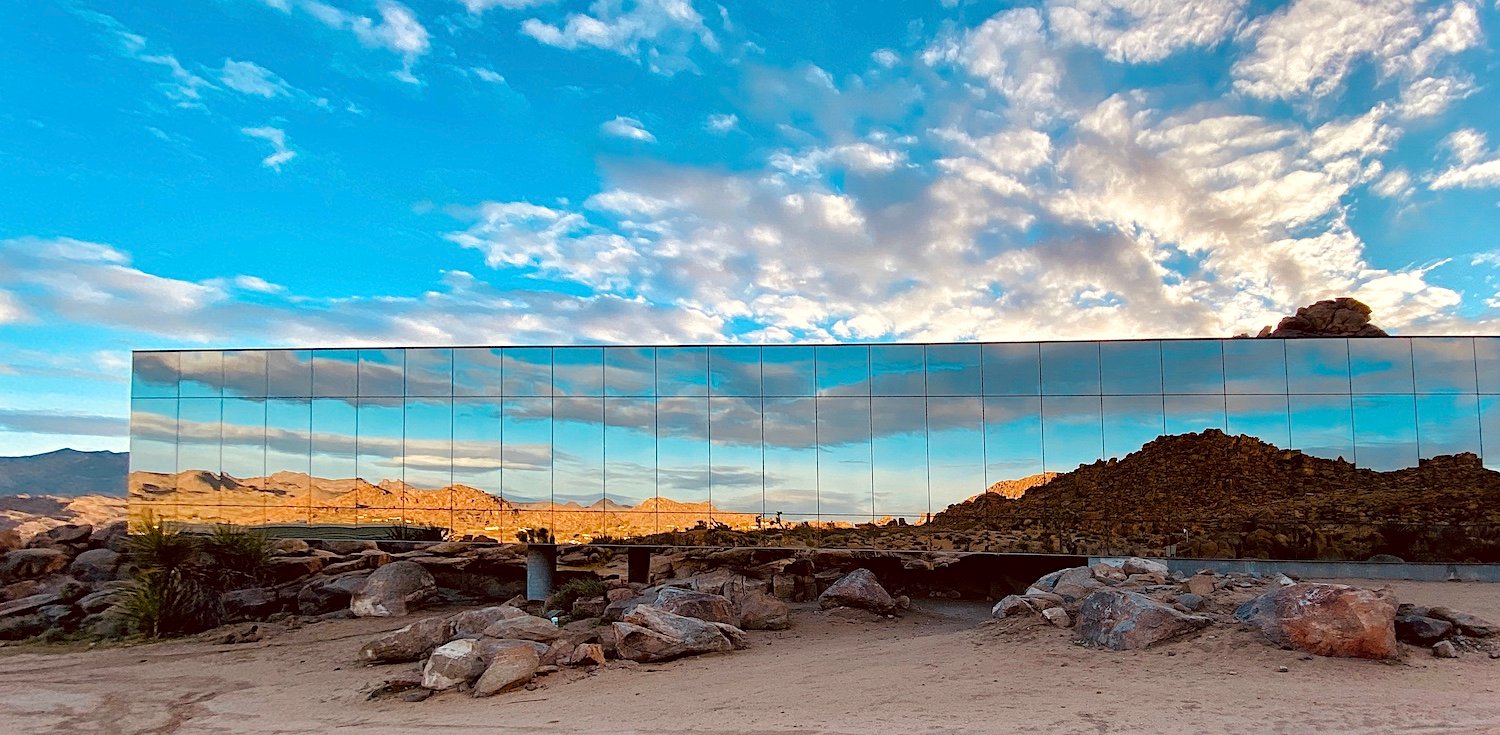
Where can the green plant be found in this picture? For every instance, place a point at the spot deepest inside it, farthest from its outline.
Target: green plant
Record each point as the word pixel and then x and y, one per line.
pixel 242 555
pixel 173 587
pixel 403 532
pixel 578 588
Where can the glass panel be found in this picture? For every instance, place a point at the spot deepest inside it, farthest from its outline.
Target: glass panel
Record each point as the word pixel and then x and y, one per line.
pixel 288 460
pixel 333 467
pixel 1380 365
pixel 791 457
pixel 1012 369
pixel 244 452
pixel 898 370
pixel 245 374
pixel 844 476
pixel 202 374
pixel 630 371
pixel 198 450
pixel 1070 368
pixel 1072 432
pixel 1193 366
pixel 734 371
pixel 578 460
pixel 526 371
pixel 1130 422
pixel 1443 365
pixel 578 371
pixel 153 449
pixel 682 449
pixel 526 427
pixel 429 372
pixel 1323 426
pixel 787 370
pixel 899 438
pixel 1254 366
pixel 630 451
pixel 335 373
pixel 478 489
pixel 1192 414
pixel 953 370
pixel 1263 417
pixel 735 424
pixel 572 524
pixel 682 371
pixel 1385 432
pixel 289 373
pixel 955 449
pixel 382 373
pixel 1489 428
pixel 1131 368
pixel 1012 438
pixel 1318 365
pixel 1487 363
pixel 427 452
pixel 1447 424
pixel 379 448
pixel 153 375
pixel 476 371
pixel 843 370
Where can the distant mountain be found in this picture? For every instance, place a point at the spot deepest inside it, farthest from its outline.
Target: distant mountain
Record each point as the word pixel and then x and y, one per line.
pixel 65 473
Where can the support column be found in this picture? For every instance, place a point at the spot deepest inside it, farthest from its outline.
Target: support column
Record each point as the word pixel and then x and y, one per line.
pixel 638 559
pixel 541 567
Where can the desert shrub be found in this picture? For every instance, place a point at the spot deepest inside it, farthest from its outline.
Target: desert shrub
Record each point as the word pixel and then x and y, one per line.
pixel 578 588
pixel 242 555
pixel 404 532
pixel 172 589
pixel 535 536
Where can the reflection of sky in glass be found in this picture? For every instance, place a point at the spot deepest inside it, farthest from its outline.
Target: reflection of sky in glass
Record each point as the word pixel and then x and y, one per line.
pixel 787 370
pixel 630 449
pixel 578 469
pixel 526 371
pixel 1255 366
pixel 526 424
pixel 1447 424
pixel 289 373
pixel 1318 365
pixel 202 374
pixel 1487 363
pixel 953 370
pixel 682 448
pixel 1070 368
pixel 630 371
pixel 428 446
pixel 335 373
pixel 1263 417
pixel 734 371
pixel 682 371
pixel 1320 426
pixel 1384 432
pixel 244 432
pixel 1192 366
pixel 476 371
pixel 1013 438
pixel 897 370
pixel 429 372
pixel 735 454
pixel 1131 368
pixel 288 443
pixel 899 447
pixel 843 370
pixel 1012 369
pixel 1072 432
pixel 1380 366
pixel 153 451
pixel 379 442
pixel 1130 422
pixel 791 471
pixel 245 374
pixel 844 475
pixel 333 423
pixel 1190 414
pixel 578 371
pixel 153 375
pixel 382 373
pixel 199 450
pixel 1489 429
pixel 956 450
pixel 1444 365
pixel 476 440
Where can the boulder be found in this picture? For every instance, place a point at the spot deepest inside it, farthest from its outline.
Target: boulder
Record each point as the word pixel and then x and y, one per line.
pixel 407 644
pixel 1137 565
pixel 111 536
pixel 95 565
pixel 737 637
pixel 585 654
pixel 10 540
pixel 1326 620
pixel 1075 584
pixel 27 605
pixel 525 627
pixel 701 605
pixel 292 568
pixel 18 627
pixel 98 602
pixel 453 663
pixel 508 668
pixel 31 564
pixel 1057 616
pixel 474 622
pixel 858 588
pixel 291 547
pixel 648 634
pixel 1011 606
pixel 760 611
pixel 392 590
pixel 1419 630
pixel 1465 623
pixel 1199 584
pixel 1190 601
pixel 68 535
pixel 1108 573
pixel 1445 649
pixel 588 607
pixel 1124 621
pixel 323 595
pixel 254 603
pixel 345 548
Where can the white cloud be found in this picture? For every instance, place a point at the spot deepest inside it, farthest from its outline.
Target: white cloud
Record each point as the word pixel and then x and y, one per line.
pixel 1143 31
pixel 251 78
pixel 1467 144
pixel 397 30
pixel 1013 55
pixel 886 58
pixel 1474 167
pixel 488 75
pixel 627 127
pixel 186 87
pixel 11 310
pixel 1395 184
pixel 1431 96
pixel 722 122
pixel 280 153
pixel 657 33
pixel 859 157
pixel 479 6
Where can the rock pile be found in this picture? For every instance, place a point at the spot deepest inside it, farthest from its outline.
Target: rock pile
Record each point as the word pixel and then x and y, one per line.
pixel 1340 317
pixel 63 579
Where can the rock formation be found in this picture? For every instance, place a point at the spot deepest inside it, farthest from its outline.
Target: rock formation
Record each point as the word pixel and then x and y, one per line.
pixel 1340 317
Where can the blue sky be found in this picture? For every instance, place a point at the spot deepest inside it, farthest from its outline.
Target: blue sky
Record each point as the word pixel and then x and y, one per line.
pixel 299 172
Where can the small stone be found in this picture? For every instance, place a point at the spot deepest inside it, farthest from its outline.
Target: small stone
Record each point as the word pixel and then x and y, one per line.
pixel 1057 616
pixel 1282 669
pixel 416 695
pixel 1444 649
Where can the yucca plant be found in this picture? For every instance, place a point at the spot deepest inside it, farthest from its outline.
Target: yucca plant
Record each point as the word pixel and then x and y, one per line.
pixel 179 576
pixel 242 556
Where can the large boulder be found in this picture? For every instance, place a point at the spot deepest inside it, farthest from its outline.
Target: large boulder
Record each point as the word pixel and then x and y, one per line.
pixel 509 667
pixel 392 590
pixel 255 603
pixel 1421 630
pixel 525 628
pixel 31 564
pixel 71 534
pixel 648 634
pixel 407 644
pixel 453 663
pixel 1326 619
pixel 760 611
pixel 1465 623
pixel 292 568
pixel 474 622
pixel 701 605
pixel 1340 317
pixel 322 595
pixel 1124 621
pixel 860 589
pixel 95 565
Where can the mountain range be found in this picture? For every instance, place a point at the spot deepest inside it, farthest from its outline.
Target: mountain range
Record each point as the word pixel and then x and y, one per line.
pixel 65 473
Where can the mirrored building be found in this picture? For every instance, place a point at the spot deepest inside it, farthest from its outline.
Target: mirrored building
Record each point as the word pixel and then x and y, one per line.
pixel 615 443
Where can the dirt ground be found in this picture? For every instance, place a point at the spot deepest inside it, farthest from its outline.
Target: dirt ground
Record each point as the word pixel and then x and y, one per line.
pixel 937 670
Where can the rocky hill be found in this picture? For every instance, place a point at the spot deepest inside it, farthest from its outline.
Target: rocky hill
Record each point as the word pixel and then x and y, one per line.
pixel 1013 489
pixel 65 473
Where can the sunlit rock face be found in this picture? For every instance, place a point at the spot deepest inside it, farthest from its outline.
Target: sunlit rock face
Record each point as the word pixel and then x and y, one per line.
pixel 1340 317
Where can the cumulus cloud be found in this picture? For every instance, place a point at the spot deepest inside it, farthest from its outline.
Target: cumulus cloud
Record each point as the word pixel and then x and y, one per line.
pixel 479 6
pixel 1431 96
pixel 657 33
pixel 627 127
pixel 251 78
pixel 886 58
pixel 280 153
pixel 722 122
pixel 396 30
pixel 1144 31
pixel 1473 166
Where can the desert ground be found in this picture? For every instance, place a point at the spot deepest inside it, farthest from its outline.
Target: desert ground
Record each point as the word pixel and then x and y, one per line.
pixel 939 669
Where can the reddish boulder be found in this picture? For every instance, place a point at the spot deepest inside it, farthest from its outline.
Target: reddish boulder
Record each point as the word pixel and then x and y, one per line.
pixel 1326 619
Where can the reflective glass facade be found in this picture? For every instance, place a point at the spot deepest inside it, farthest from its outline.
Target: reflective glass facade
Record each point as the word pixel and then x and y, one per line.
pixel 617 442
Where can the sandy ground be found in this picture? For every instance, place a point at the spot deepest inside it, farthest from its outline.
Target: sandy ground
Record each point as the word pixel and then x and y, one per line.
pixel 935 671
